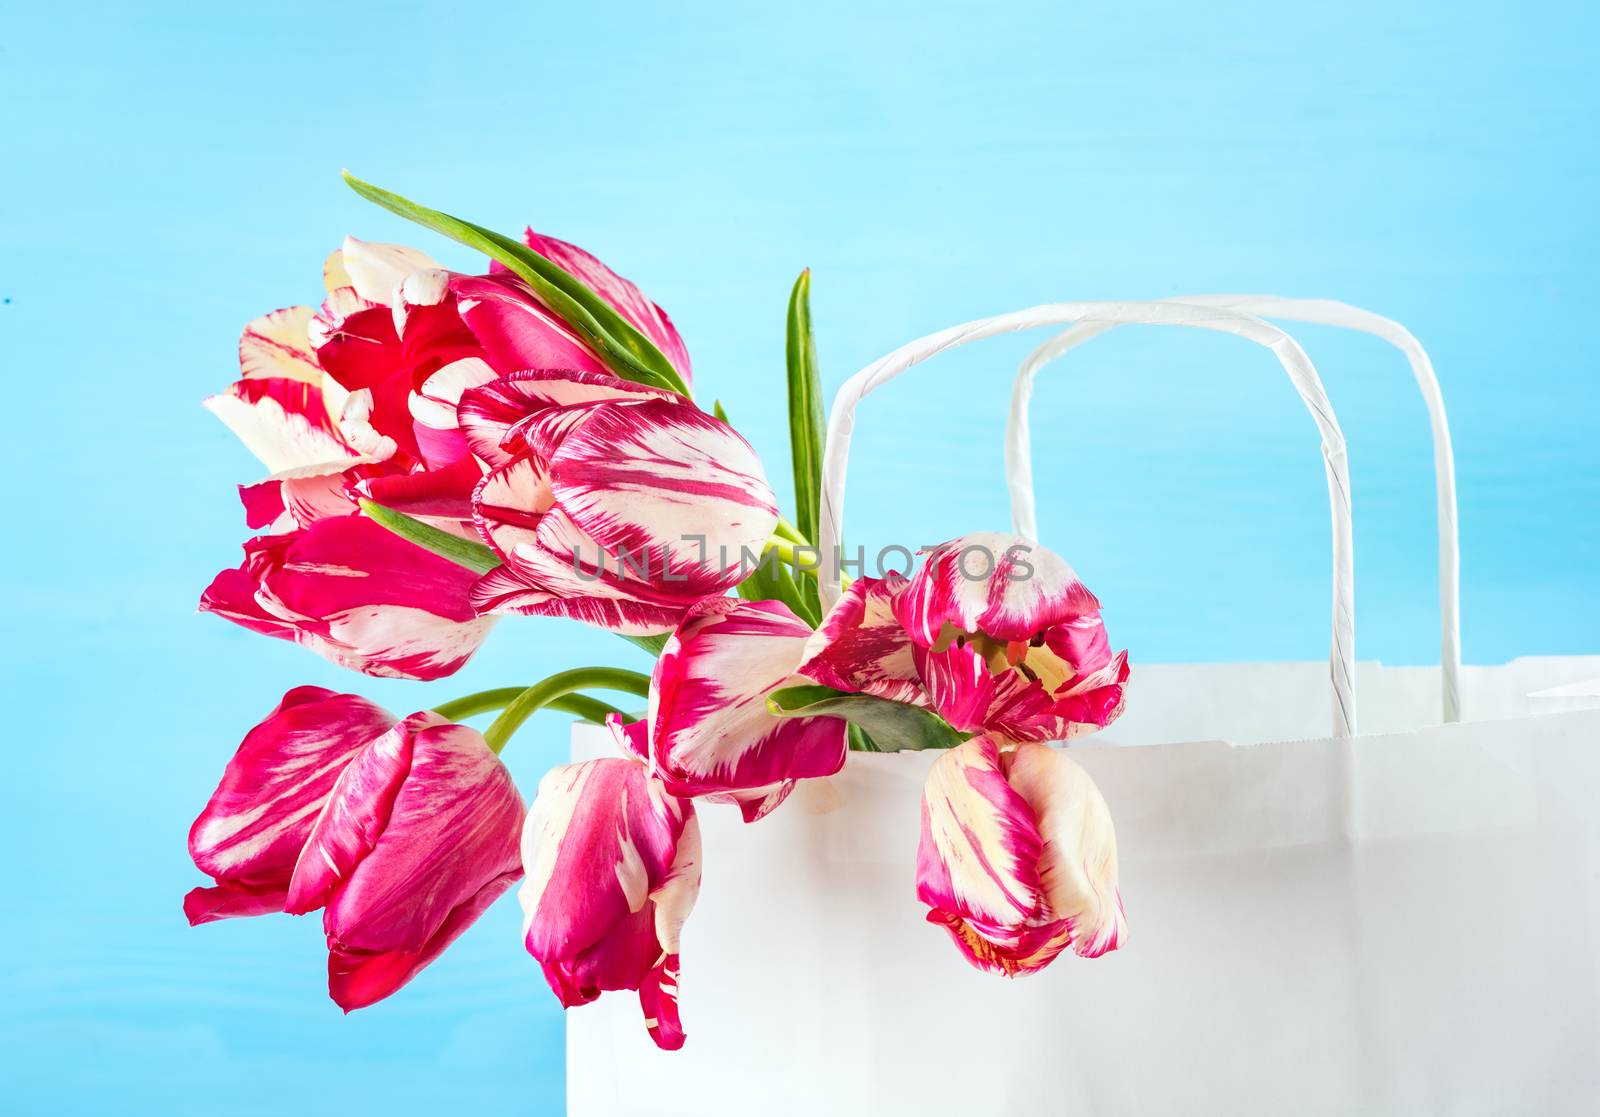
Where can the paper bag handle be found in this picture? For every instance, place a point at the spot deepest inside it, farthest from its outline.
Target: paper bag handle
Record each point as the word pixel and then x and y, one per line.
pixel 1302 374
pixel 1322 312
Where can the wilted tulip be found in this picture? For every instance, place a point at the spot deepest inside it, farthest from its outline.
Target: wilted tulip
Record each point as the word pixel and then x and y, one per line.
pixel 612 864
pixel 1018 858
pixel 416 840
pixel 250 834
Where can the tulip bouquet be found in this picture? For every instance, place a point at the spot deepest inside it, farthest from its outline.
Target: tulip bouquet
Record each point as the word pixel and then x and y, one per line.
pixel 447 449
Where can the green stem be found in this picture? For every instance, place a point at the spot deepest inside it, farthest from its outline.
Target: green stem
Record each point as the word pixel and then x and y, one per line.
pixel 542 693
pixel 578 705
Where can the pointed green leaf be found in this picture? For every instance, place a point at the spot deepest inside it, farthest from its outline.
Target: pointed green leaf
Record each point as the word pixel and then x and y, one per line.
pixel 463 552
pixel 807 426
pixel 893 726
pixel 625 350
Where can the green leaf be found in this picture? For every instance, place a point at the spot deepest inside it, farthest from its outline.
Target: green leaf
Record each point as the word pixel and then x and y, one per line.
pixel 719 411
pixel 651 644
pixel 773 579
pixel 893 726
pixel 463 552
pixel 625 350
pixel 807 426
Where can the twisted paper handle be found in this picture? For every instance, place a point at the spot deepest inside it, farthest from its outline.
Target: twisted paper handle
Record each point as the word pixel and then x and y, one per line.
pixel 1323 312
pixel 1302 374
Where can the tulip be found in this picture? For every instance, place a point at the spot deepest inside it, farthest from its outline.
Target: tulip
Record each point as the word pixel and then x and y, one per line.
pixel 612 864
pixel 995 634
pixel 355 594
pixel 1018 858
pixel 250 834
pixel 395 320
pixel 415 841
pixel 709 733
pixel 610 502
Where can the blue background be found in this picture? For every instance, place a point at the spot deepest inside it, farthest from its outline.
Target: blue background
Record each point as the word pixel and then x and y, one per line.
pixel 170 174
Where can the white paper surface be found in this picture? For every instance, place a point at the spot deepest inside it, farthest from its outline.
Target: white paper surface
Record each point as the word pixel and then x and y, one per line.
pixel 1390 924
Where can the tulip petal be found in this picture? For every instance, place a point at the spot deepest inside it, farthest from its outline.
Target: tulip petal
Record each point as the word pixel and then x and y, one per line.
pixel 356 594
pixel 979 853
pixel 663 480
pixel 515 330
pixel 994 583
pixel 357 979
pixel 487 413
pixel 283 422
pixel 625 298
pixel 958 682
pixel 862 647
pixel 277 345
pixel 613 869
pixel 1078 859
pixel 252 830
pixel 601 837
pixel 710 730
pixel 410 837
pixel 375 270
pixel 502 591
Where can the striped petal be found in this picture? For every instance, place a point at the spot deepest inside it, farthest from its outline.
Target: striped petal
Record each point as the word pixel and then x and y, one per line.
pixel 276 345
pixel 625 298
pixel 356 594
pixel 710 732
pixel 1078 860
pixel 515 330
pixel 979 854
pixel 258 819
pixel 487 413
pixel 418 837
pixel 612 864
pixel 664 481
pixel 994 583
pixel 862 647
pixel 284 423
pixel 503 591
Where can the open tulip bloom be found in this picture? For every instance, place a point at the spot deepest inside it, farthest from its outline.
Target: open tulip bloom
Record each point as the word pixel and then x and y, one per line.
pixel 443 450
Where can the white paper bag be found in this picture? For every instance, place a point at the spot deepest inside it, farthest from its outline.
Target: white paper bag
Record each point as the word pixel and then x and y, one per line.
pixel 1401 922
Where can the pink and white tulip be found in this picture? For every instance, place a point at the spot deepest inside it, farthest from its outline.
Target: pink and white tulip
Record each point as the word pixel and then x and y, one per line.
pixel 403 831
pixel 997 635
pixel 610 502
pixel 1018 857
pixel 612 864
pixel 250 834
pixel 356 594
pixel 708 732
pixel 415 841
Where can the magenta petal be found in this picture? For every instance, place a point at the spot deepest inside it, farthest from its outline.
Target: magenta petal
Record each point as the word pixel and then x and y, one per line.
pixel 356 594
pixel 625 298
pixel 862 646
pixel 958 683
pixel 357 978
pixel 251 832
pixel 207 905
pixel 515 330
pixel 354 817
pixel 658 998
pixel 995 583
pixel 710 731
